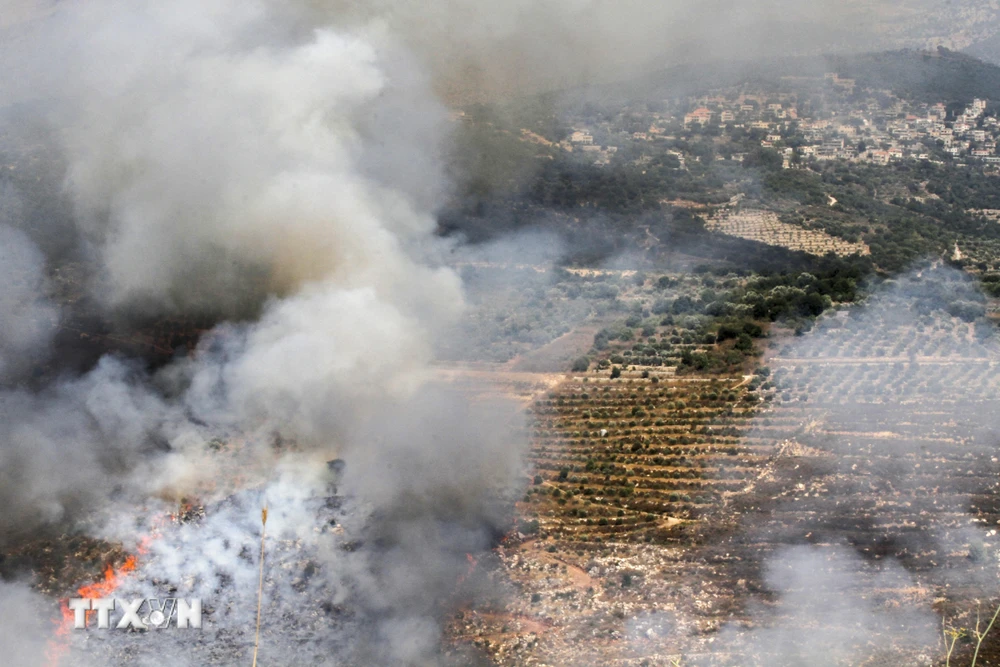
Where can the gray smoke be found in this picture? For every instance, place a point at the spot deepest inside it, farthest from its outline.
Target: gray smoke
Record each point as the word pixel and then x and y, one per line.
pixel 218 152
pixel 288 155
pixel 204 145
pixel 479 49
pixel 27 318
pixel 23 624
pixel 67 448
pixel 832 610
pixel 885 466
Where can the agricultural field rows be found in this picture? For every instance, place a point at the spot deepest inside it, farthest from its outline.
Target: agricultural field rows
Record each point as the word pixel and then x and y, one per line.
pixel 661 502
pixel 765 227
pixel 633 456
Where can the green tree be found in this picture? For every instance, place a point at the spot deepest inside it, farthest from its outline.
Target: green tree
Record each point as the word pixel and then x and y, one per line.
pixel 763 158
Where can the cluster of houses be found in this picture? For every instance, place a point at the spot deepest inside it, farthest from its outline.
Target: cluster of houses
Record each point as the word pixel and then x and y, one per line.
pixel 849 124
pixel 872 131
pixel 747 110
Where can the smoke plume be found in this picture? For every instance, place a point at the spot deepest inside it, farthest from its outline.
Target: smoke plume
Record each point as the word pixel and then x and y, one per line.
pixel 230 159
pixel 279 166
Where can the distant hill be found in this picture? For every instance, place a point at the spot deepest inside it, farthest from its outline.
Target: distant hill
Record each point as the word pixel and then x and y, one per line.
pixel 923 76
pixel 988 50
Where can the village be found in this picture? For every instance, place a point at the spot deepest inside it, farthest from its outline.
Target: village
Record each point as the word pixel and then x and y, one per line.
pixel 828 118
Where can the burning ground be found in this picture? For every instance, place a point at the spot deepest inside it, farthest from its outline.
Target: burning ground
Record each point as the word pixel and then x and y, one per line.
pixel 224 291
pixel 226 164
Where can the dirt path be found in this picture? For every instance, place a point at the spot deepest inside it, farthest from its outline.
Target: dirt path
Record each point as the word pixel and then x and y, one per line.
pixel 485 380
pixel 557 355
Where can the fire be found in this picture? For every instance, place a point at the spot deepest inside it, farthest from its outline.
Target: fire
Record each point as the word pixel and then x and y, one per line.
pixel 112 579
pixel 473 564
pixel 58 646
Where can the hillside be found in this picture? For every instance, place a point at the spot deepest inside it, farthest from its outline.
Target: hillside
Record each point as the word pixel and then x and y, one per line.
pixel 916 75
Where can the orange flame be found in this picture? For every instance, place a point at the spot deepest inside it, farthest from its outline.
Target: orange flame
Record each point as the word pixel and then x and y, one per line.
pixel 473 564
pixel 58 646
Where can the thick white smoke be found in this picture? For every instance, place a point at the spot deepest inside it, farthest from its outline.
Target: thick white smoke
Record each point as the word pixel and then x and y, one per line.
pixel 201 142
pixel 208 144
pixel 213 144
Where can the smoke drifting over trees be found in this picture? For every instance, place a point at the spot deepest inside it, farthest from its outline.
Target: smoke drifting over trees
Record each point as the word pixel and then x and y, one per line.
pixel 286 160
pixel 873 494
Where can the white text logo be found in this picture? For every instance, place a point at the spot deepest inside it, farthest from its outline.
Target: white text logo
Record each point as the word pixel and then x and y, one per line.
pixel 141 614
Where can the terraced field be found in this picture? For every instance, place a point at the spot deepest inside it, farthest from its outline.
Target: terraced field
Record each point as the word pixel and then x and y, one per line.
pixel 765 227
pixel 634 456
pixel 839 510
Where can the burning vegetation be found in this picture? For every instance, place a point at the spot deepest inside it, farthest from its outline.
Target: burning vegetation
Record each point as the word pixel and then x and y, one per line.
pixel 380 383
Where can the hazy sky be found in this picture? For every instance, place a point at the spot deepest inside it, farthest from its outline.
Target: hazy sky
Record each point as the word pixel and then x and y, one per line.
pixel 475 47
